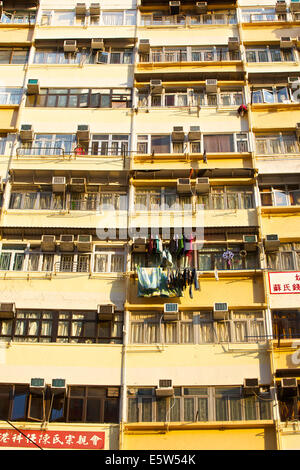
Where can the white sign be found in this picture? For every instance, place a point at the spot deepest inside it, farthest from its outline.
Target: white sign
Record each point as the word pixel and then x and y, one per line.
pixel 285 282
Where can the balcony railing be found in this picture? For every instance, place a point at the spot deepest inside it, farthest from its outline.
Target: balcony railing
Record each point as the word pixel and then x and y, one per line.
pixel 183 20
pixel 187 56
pixel 77 151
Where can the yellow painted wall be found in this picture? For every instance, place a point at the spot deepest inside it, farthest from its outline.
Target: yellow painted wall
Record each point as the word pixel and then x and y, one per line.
pixel 286 225
pixel 225 439
pixel 78 163
pixel 15 35
pixel 8 118
pixel 275 118
pixel 266 34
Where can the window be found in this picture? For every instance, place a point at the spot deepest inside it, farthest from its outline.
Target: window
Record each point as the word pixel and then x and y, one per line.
pixel 56 55
pixel 227 197
pixel 280 195
pixel 286 324
pixel 219 143
pixel 10 96
pixel 84 404
pixel 212 257
pixel 158 18
pixel 192 404
pixel 273 95
pixel 163 199
pixel 190 54
pixel 3 142
pixel 61 327
pixel 286 259
pixel 110 144
pixel 276 144
pixel 269 54
pixel 15 56
pixel 49 144
pixel 18 17
pixel 107 261
pixel 252 15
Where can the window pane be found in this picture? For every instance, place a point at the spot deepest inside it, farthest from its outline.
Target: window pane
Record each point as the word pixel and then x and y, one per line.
pixel 76 409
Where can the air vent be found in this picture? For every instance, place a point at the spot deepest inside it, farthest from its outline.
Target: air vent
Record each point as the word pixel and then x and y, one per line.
pixel 178 134
pixel 66 243
pixel 139 245
pixel 26 133
pixel 202 185
pixel 58 386
pixel 171 312
pixel 95 9
pixel 271 242
pixel 211 85
pixel 37 385
pixel 7 310
pixel 70 45
pixel 220 310
pixel 156 86
pixel 97 44
pixel 194 133
pixel 80 9
pixel 84 243
pixel 33 86
pixel 58 184
pixel 106 312
pixel 250 386
pixel 184 185
pixel 83 132
pixel 48 243
pixel 144 46
pixel 165 388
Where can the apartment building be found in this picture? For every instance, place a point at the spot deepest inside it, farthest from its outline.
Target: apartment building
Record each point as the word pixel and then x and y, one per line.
pixel 150 234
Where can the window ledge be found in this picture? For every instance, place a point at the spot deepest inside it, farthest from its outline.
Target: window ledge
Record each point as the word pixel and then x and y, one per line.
pixel 280 209
pixel 136 427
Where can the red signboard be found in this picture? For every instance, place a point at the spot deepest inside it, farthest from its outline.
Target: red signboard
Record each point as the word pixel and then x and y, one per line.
pixel 52 439
pixel 284 282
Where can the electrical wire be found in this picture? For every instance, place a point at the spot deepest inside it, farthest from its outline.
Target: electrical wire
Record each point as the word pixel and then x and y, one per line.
pixel 18 430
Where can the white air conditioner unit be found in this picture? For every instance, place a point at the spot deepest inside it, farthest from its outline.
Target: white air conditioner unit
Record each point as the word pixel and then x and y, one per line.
pixel 83 132
pixel 295 6
pixel 48 243
pixel 211 85
pixel 250 242
pixel 233 43
pixel 80 9
pixel 139 245
pixel 294 80
pixel 58 386
pixel 26 133
pixel 220 310
pixel 280 6
pixel 202 185
pixel 144 45
pixel 112 392
pixel 7 310
pixel 174 8
pixel 70 45
pixel 37 385
pixel 58 184
pixel 171 312
pixel 178 134
pixel 106 312
pixel 289 383
pixel 66 242
pixel 184 185
pixel 156 86
pixel 78 184
pixel 33 86
pixel 286 42
pixel 97 44
pixel 201 7
pixel 271 242
pixel 84 242
pixel 250 386
pixel 95 9
pixel 194 133
pixel 164 389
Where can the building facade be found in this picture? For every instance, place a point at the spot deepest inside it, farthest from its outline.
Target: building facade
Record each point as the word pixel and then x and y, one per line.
pixel 150 224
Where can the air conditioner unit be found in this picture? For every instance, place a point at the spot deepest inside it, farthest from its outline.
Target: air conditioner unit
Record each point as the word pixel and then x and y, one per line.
pixel 202 185
pixel 164 389
pixel 201 7
pixel 7 310
pixel 80 9
pixel 95 9
pixel 70 45
pixel 83 132
pixel 58 386
pixel 286 42
pixel 295 5
pixel 66 242
pixel 250 386
pixel 174 8
pixel 33 86
pixel 211 85
pixel 58 184
pixel 26 133
pixel 194 133
pixel 272 242
pixel 97 44
pixel 48 243
pixel 250 242
pixel 178 134
pixel 106 312
pixel 294 80
pixel 156 86
pixel 233 43
pixel 112 392
pixel 184 185
pixel 144 45
pixel 289 387
pixel 220 310
pixel 139 245
pixel 280 6
pixel 84 242
pixel 171 312
pixel 37 385
pixel 78 184
pixel 102 57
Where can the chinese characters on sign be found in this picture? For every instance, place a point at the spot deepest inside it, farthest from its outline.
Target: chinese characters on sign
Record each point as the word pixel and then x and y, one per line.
pixel 52 439
pixel 284 282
